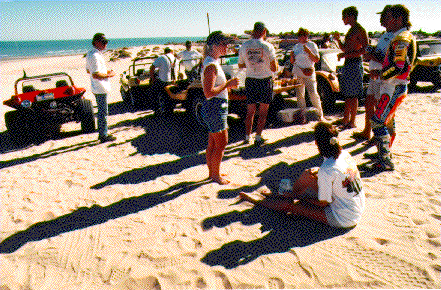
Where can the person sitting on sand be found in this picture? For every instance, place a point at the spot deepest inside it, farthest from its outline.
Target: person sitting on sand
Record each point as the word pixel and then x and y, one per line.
pixel 214 109
pixel 332 194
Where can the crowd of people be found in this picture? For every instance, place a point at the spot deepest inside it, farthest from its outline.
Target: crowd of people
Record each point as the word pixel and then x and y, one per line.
pixel 332 194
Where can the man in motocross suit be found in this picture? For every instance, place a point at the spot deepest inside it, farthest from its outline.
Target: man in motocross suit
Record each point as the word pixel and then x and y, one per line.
pixel 397 65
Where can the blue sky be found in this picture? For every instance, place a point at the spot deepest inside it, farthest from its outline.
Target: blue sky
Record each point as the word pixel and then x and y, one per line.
pixel 53 20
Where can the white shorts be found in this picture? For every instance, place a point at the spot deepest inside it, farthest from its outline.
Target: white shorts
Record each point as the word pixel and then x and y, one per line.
pixel 374 88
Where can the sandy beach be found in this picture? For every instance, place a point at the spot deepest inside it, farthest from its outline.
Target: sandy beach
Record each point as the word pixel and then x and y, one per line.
pixel 138 213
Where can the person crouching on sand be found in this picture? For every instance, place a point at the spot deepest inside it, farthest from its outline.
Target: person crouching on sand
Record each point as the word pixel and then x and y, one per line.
pixel 332 194
pixel 214 109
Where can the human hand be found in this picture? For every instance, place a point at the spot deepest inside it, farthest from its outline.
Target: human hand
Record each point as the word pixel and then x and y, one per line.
pixel 232 83
pixel 110 73
pixel 340 55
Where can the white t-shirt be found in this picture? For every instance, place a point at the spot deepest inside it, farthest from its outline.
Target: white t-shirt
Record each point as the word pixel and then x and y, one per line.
pixel 257 55
pixel 220 79
pixel 380 50
pixel 164 66
pixel 95 63
pixel 339 183
pixel 302 57
pixel 189 58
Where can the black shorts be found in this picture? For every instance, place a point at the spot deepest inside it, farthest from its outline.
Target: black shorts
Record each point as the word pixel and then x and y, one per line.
pixel 259 90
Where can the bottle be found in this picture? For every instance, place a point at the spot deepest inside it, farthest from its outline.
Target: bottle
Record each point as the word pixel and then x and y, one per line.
pixel 285 186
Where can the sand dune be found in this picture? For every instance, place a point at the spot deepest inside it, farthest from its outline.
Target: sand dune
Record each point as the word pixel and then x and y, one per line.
pixel 139 213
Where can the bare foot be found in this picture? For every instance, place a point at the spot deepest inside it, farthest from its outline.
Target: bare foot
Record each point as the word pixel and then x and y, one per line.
pixel 246 197
pixel 220 180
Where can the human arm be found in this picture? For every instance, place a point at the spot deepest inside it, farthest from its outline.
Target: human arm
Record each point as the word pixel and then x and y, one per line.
pixel 400 56
pixel 209 84
pixel 356 45
pixel 152 72
pixel 103 76
pixel 312 54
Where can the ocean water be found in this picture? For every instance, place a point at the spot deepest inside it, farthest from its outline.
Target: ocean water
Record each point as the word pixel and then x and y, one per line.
pixel 43 48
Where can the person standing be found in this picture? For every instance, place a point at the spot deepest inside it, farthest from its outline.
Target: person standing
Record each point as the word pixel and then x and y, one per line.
pixel 100 85
pixel 351 81
pixel 259 58
pixel 397 65
pixel 161 75
pixel 189 58
pixel 214 109
pixel 303 57
pixel 375 55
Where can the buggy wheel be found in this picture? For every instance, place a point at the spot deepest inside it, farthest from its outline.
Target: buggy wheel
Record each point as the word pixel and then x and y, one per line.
pixel 327 96
pixel 195 97
pixel 86 116
pixel 19 127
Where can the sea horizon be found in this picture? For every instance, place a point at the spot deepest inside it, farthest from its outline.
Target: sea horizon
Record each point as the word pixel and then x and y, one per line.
pixel 22 49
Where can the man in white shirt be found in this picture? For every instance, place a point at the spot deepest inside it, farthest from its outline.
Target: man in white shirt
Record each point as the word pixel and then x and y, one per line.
pixel 189 58
pixel 259 58
pixel 99 79
pixel 161 74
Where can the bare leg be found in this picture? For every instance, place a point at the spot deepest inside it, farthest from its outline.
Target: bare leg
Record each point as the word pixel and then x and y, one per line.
pixel 263 112
pixel 220 141
pixel 353 112
pixel 286 206
pixel 251 111
pixel 371 102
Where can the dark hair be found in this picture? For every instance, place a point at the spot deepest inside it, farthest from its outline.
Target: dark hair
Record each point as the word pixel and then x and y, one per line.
pixel 323 133
pixel 350 11
pixel 167 50
pixel 401 11
pixel 99 37
pixel 303 32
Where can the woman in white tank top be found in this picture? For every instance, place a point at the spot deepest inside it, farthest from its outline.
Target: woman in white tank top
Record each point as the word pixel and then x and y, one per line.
pixel 214 110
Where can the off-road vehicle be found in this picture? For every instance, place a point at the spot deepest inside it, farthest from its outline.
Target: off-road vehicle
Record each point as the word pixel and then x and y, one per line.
pixel 428 63
pixel 43 103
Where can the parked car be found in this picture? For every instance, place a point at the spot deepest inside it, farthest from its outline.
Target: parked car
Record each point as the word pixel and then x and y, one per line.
pixel 328 72
pixel 428 63
pixel 43 103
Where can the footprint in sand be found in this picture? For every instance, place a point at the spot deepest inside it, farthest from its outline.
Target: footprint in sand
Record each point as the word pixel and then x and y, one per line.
pixel 437 216
pixel 146 283
pixel 275 283
pixel 382 241
pixel 200 283
pixel 418 222
pixel 225 282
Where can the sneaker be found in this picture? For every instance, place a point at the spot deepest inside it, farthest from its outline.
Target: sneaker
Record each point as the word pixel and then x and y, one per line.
pixel 107 138
pixel 259 141
pixel 380 165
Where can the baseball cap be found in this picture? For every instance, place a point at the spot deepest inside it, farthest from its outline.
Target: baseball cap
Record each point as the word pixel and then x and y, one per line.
pixel 219 38
pixel 385 9
pixel 259 26
pixel 100 37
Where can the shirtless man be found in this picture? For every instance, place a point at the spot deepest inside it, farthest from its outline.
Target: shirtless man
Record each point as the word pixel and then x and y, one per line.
pixel 351 83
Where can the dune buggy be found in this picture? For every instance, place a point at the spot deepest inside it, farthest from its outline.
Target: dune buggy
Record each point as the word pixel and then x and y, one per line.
pixel 43 103
pixel 135 89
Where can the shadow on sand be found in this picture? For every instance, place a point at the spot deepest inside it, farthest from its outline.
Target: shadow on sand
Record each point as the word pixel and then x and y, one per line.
pixel 285 233
pixel 86 217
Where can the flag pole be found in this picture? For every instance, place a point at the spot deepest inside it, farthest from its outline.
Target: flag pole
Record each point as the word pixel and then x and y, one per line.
pixel 208 20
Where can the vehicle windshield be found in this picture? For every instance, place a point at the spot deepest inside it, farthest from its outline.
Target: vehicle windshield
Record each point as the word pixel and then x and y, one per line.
pixel 330 62
pixel 427 49
pixel 43 83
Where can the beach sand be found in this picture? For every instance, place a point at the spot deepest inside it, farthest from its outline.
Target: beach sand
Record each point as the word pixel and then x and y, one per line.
pixel 139 213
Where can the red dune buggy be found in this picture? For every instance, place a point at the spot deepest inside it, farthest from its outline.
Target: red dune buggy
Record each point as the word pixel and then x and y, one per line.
pixel 43 103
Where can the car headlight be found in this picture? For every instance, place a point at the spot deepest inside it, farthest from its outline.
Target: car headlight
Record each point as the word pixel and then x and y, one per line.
pixel 26 104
